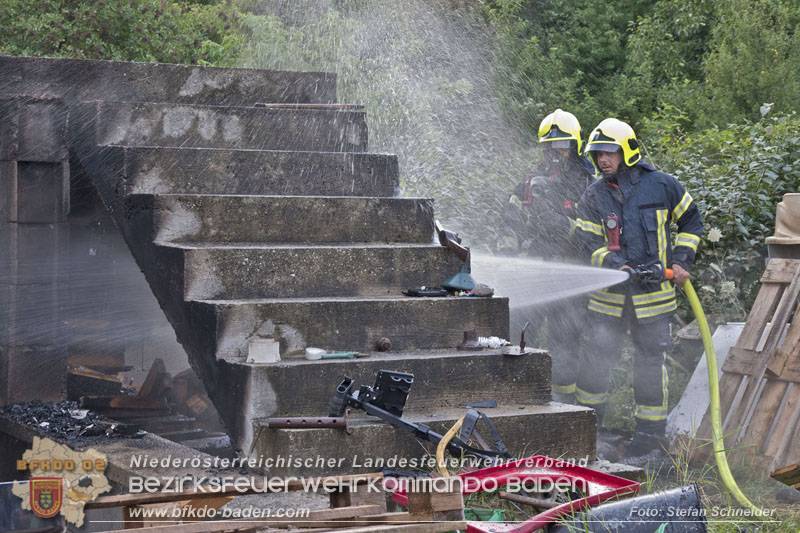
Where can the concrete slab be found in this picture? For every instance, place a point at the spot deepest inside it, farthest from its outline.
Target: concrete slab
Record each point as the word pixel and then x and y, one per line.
pixel 444 378
pixel 634 473
pixel 294 271
pixel 557 430
pixel 287 219
pixel 34 372
pixel 34 128
pixel 687 415
pixel 81 80
pixel 234 171
pixel 352 323
pixel 35 254
pixel 42 192
pixel 201 126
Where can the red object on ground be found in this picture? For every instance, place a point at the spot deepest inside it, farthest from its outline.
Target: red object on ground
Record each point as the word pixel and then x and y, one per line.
pixel 598 486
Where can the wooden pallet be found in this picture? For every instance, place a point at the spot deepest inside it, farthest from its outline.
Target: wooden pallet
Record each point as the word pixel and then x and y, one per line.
pixel 760 385
pixel 353 509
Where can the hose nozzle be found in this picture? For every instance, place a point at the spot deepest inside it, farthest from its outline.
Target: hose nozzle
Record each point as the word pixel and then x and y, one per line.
pixel 652 273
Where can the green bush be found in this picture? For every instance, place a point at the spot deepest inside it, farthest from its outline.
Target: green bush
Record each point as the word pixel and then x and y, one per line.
pixel 127 30
pixel 737 176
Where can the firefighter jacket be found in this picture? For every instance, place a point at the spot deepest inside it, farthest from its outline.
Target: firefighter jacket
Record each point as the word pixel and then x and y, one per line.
pixel 539 219
pixel 644 201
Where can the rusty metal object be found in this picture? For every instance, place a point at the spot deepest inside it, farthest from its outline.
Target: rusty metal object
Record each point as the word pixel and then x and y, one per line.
pixel 384 345
pixel 304 422
pixel 522 336
pixel 519 350
pixel 527 500
pixel 470 342
pixel 452 241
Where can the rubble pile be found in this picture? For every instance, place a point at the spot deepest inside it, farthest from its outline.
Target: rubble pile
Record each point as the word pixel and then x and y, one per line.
pixel 65 420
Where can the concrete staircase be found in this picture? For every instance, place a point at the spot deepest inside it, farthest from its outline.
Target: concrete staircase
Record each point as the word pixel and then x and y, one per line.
pixel 253 222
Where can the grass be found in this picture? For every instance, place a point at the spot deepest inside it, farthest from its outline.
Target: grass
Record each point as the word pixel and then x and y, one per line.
pixel 678 471
pixel 720 506
pixel 758 488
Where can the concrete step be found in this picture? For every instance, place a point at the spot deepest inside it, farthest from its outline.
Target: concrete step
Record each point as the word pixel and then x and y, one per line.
pixel 443 378
pixel 255 270
pixel 80 80
pixel 287 219
pixel 202 126
pixel 223 171
pixel 556 430
pixel 348 323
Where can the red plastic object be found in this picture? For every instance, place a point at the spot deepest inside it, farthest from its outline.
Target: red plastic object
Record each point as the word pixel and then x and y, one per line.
pixel 538 469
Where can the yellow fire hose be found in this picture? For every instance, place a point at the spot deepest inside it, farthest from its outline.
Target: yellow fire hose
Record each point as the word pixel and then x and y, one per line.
pixel 713 389
pixel 442 446
pixel 713 392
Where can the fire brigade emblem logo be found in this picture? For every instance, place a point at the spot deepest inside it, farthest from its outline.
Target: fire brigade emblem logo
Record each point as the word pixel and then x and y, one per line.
pixel 46 496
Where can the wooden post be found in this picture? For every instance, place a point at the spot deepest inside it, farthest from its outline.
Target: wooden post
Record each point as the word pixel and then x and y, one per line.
pixel 428 499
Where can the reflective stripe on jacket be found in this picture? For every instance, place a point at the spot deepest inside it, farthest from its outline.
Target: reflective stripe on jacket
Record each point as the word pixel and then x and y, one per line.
pixel 645 202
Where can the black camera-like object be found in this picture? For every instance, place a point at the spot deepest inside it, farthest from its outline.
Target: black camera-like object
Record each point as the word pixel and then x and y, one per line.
pixel 389 393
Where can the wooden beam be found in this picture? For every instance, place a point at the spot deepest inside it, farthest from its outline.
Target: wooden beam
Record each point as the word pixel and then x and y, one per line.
pixel 156 382
pixel 425 503
pixel 137 522
pixel 755 433
pixel 788 451
pixel 780 270
pixel 199 527
pixel 763 308
pixel 347 497
pixel 783 421
pixel 339 517
pixel 788 351
pixel 419 527
pixel 789 475
pixel 740 361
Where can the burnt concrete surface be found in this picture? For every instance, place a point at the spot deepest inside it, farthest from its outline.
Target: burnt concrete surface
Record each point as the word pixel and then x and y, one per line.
pixel 34 235
pixel 354 323
pixel 287 219
pixel 84 80
pixel 294 271
pixel 203 126
pixel 437 373
pixel 555 430
pixel 294 238
pixel 224 171
pixel 33 129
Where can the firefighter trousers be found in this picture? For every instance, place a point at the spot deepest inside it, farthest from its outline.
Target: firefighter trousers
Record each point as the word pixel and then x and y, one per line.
pixel 651 340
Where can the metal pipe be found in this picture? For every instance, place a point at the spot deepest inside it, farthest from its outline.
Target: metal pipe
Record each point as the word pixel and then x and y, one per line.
pixel 527 500
pixel 305 422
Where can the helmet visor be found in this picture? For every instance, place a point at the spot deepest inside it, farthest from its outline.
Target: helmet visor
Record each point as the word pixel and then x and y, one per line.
pixel 603 147
pixel 555 145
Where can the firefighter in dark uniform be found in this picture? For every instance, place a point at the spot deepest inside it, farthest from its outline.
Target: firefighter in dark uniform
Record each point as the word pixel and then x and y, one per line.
pixel 539 221
pixel 623 222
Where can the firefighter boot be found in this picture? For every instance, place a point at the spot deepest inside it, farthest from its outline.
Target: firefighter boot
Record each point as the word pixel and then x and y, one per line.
pixel 648 445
